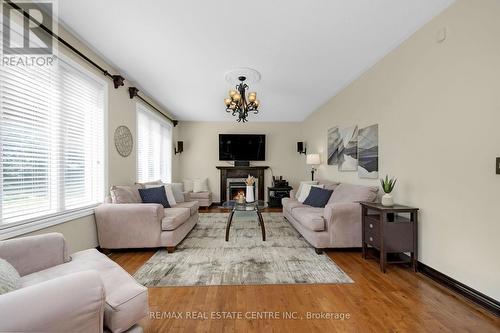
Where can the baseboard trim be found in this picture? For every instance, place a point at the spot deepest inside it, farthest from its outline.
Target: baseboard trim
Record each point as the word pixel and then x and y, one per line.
pixel 473 295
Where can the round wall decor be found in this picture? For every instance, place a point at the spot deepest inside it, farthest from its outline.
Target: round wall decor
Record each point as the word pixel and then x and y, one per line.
pixel 123 141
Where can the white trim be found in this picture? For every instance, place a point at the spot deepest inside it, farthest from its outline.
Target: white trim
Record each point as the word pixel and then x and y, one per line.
pixel 21 228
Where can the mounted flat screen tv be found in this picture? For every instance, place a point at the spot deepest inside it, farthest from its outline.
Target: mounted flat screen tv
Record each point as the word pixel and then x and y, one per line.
pixel 242 147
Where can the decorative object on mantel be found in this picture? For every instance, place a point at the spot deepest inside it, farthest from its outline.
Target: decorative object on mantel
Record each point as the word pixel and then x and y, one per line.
pixel 368 152
pixel 388 186
pixel 123 141
pixel 313 160
pixel 238 102
pixel 250 193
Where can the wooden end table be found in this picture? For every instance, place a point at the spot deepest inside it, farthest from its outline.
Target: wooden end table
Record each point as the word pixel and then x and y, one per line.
pixel 392 231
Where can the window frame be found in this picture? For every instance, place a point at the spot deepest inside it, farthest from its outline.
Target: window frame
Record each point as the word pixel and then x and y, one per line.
pixel 14 229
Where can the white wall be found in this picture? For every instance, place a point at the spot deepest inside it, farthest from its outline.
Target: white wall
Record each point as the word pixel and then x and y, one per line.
pixel 201 150
pixel 438 110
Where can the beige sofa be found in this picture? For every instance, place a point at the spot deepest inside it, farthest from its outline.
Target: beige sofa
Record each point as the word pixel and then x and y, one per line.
pixel 338 224
pixel 125 222
pixel 84 292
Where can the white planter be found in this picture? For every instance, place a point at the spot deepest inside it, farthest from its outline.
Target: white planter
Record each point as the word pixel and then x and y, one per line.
pixel 250 195
pixel 387 200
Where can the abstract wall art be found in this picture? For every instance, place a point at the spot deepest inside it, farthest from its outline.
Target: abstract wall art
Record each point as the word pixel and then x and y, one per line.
pixel 333 145
pixel 368 152
pixel 348 149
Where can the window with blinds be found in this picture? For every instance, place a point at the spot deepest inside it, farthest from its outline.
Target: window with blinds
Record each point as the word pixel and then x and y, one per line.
pixel 51 141
pixel 154 146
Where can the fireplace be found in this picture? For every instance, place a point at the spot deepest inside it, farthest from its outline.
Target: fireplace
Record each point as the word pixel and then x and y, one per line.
pixel 236 186
pixel 238 174
pixel 235 189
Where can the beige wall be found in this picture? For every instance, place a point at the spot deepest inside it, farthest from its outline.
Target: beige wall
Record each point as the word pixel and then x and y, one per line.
pixel 81 233
pixel 201 150
pixel 438 110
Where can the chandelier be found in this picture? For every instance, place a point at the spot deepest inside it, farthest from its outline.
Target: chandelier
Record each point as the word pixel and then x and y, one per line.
pixel 239 103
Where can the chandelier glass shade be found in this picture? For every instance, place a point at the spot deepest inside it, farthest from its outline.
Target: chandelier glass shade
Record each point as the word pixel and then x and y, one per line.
pixel 238 103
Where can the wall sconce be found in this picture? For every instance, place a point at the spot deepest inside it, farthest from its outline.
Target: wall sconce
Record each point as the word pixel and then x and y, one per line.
pixel 301 148
pixel 180 147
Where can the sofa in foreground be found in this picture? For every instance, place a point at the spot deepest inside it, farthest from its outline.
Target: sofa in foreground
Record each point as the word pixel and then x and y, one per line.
pixel 338 224
pixel 84 292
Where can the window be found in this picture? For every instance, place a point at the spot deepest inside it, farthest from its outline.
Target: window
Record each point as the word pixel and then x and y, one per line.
pixel 154 146
pixel 51 141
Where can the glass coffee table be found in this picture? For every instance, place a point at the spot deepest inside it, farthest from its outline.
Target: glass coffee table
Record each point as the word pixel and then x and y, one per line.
pixel 255 206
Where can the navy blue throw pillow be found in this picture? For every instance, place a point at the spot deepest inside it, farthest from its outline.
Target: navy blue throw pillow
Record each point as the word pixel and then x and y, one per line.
pixel 154 195
pixel 318 197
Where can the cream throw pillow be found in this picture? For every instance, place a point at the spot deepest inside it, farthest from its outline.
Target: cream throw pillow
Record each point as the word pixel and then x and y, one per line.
pixel 306 188
pixel 310 182
pixel 188 185
pixel 9 277
pixel 122 194
pixel 200 185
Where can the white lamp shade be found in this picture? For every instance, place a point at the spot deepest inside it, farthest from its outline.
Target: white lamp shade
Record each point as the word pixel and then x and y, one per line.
pixel 313 159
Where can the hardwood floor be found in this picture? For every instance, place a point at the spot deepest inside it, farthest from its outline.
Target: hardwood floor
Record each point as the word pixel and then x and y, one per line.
pixel 398 301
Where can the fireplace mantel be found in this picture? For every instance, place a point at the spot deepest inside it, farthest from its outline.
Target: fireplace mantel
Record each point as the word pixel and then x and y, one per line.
pixel 241 172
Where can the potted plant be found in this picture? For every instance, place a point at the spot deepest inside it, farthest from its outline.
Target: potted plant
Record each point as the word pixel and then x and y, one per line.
pixel 388 186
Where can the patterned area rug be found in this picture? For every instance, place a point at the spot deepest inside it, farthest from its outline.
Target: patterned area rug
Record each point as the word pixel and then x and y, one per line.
pixel 205 258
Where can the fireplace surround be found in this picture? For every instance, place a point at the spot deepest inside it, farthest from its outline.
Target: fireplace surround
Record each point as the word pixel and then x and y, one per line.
pixel 238 174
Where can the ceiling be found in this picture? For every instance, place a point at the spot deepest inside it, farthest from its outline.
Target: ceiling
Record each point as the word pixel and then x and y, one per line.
pixel 177 52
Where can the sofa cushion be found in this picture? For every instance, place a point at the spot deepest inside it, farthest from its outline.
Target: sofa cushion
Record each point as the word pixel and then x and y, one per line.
pixel 310 217
pixel 310 182
pixel 192 205
pixel 126 300
pixel 318 197
pixel 200 185
pixel 289 204
pixel 199 195
pixel 353 193
pixel 122 194
pixel 304 192
pixel 178 190
pixel 174 217
pixel 9 277
pixel 154 195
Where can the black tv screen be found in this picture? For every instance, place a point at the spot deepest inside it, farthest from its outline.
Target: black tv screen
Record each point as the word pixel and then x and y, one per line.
pixel 242 147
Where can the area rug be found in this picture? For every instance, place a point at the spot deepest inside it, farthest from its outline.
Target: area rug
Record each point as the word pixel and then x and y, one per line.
pixel 205 258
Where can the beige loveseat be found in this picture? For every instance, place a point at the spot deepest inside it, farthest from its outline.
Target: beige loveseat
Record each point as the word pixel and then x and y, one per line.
pixel 125 222
pixel 338 224
pixel 84 292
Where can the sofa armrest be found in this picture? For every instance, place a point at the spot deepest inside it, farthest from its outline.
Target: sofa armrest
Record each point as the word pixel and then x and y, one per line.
pixel 35 253
pixel 187 196
pixel 128 225
pixel 292 194
pixel 343 222
pixel 71 303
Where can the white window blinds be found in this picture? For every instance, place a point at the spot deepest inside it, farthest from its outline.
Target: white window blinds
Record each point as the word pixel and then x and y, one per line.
pixel 51 141
pixel 154 146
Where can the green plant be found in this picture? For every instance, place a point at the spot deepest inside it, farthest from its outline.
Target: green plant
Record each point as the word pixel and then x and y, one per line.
pixel 388 184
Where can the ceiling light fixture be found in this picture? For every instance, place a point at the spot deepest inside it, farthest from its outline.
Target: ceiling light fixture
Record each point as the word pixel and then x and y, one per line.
pixel 239 103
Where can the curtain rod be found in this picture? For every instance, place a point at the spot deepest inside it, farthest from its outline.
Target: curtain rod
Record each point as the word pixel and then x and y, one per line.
pixel 133 92
pixel 117 79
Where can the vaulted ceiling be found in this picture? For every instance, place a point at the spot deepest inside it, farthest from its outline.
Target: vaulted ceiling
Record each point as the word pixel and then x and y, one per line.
pixel 306 50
